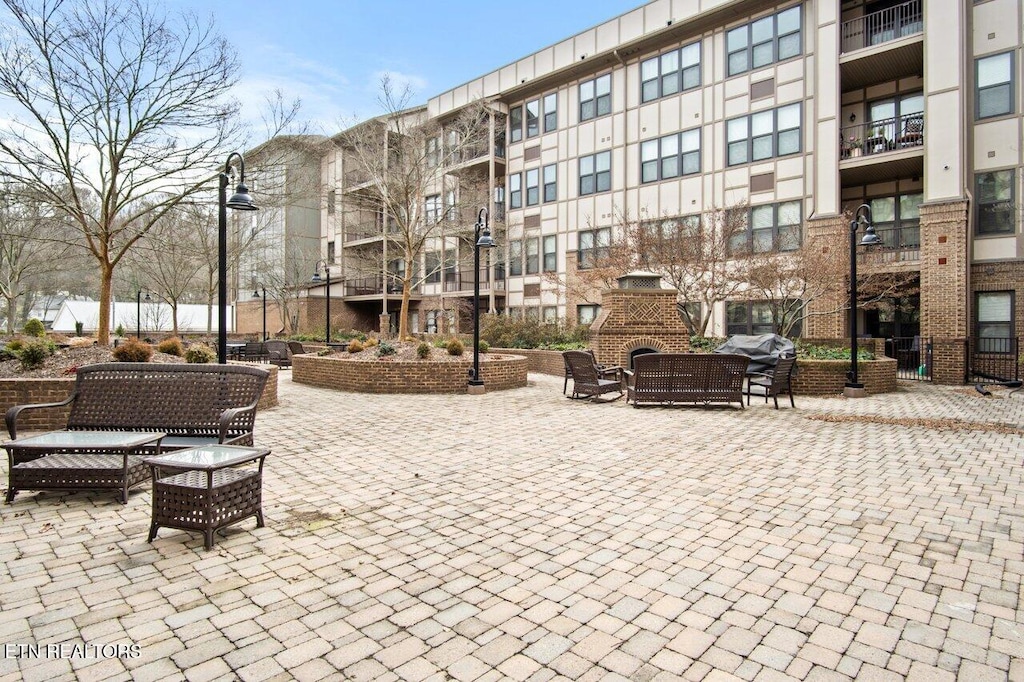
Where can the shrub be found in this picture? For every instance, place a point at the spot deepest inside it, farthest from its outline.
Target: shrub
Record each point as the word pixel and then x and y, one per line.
pixel 816 352
pixel 133 350
pixel 705 344
pixel 7 353
pixel 455 347
pixel 199 354
pixel 385 348
pixel 79 327
pixel 119 330
pixel 171 346
pixel 355 346
pixel 34 328
pixel 423 350
pixel 15 345
pixel 484 346
pixel 34 354
pixel 440 343
pixel 371 342
pixel 503 331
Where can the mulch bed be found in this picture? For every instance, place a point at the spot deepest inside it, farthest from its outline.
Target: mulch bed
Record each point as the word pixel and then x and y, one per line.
pixel 65 360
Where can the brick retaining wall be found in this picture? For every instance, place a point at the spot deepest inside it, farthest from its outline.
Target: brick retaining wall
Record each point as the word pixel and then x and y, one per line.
pixel 827 377
pixel 498 371
pixel 540 361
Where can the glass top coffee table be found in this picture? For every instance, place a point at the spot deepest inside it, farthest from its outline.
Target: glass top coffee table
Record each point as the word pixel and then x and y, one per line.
pixel 79 460
pixel 206 488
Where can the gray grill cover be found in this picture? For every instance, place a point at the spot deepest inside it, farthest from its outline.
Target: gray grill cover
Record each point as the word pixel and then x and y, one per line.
pixel 762 349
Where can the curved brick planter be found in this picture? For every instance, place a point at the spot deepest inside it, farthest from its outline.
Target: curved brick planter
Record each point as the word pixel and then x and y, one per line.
pixel 24 391
pixel 498 371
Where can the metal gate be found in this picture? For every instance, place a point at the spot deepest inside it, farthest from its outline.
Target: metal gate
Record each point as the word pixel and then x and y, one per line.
pixel 994 359
pixel 913 356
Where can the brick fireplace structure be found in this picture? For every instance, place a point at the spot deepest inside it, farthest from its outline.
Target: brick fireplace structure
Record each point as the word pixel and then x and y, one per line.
pixel 639 317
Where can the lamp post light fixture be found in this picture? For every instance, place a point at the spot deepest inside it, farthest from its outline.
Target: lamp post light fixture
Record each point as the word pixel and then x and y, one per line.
pixel 316 280
pixel 239 201
pixel 482 239
pixel 256 294
pixel 853 388
pixel 138 313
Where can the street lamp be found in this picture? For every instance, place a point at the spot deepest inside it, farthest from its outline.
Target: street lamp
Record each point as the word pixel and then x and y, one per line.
pixel 316 280
pixel 240 201
pixel 482 239
pixel 138 312
pixel 256 294
pixel 863 213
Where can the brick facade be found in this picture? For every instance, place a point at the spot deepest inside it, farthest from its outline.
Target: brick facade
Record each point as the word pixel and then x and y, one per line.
pixel 828 314
pixel 944 293
pixel 631 319
pixel 408 376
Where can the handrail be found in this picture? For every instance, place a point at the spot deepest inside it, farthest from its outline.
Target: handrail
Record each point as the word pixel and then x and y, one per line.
pixel 898 132
pixel 882 26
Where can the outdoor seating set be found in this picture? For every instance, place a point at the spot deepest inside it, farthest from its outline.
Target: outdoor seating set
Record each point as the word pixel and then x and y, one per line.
pixel 125 417
pixel 274 352
pixel 680 378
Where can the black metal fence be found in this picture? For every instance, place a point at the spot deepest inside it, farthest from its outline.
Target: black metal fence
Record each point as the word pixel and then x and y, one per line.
pixel 913 356
pixel 995 359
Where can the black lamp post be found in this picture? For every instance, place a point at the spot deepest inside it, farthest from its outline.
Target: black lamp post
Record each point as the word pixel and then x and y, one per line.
pixel 482 239
pixel 256 294
pixel 138 312
pixel 316 280
pixel 863 213
pixel 239 201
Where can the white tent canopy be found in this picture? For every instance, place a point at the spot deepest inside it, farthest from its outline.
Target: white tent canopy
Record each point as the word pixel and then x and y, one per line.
pixel 155 317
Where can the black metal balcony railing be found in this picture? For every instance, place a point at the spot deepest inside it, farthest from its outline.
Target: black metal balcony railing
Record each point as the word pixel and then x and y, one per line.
pixel 882 26
pixel 355 177
pixel 362 231
pixel 885 135
pixel 463 281
pixel 372 286
pixel 900 244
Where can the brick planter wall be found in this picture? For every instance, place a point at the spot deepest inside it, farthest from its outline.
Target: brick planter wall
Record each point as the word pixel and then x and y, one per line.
pixel 540 361
pixel 498 371
pixel 27 391
pixel 827 377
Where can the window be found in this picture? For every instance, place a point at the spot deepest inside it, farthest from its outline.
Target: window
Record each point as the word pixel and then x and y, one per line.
pixel 515 124
pixel 550 182
pixel 332 197
pixel 533 187
pixel 451 208
pixel 994 330
pixel 670 73
pixel 770 227
pixel 432 266
pixel 995 201
pixel 515 191
pixel 661 238
pixel 670 156
pixel 499 202
pixel 993 77
pixel 748 317
pixel 533 118
pixel 691 314
pixel 331 252
pixel 595 173
pixel 550 112
pixel 593 246
pixel 432 209
pixel 760 136
pixel 596 97
pixel 549 314
pixel 433 152
pixel 515 257
pixel 532 255
pixel 432 318
pixel 897 220
pixel 763 42
pixel 586 314
pixel 550 253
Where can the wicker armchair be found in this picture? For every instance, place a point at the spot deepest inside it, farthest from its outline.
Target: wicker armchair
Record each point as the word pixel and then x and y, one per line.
pixel 613 372
pixel 278 353
pixel 772 384
pixel 587 378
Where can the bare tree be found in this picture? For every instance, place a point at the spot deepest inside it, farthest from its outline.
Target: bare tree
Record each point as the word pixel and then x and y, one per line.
pixel 118 102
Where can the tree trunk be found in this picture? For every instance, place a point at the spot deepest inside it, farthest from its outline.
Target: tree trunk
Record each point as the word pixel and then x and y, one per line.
pixel 174 317
pixel 12 312
pixel 403 315
pixel 106 289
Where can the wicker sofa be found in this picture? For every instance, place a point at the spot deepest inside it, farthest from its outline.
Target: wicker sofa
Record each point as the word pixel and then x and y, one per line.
pixel 681 378
pixel 192 404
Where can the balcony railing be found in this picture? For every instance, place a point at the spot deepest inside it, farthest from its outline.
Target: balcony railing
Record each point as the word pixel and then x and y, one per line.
pixel 355 177
pixel 900 244
pixel 884 135
pixel 882 26
pixel 463 281
pixel 372 286
pixel 362 231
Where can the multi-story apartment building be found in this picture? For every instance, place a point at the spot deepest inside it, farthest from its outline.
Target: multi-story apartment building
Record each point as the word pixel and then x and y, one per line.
pixel 801 111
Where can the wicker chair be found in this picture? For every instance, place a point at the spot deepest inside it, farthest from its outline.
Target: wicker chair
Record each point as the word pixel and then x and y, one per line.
pixel 773 383
pixel 605 372
pixel 279 353
pixel 295 348
pixel 587 378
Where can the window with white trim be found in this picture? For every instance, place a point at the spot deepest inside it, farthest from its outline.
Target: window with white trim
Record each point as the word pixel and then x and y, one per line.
pixel 994 199
pixel 993 85
pixel 670 156
pixel 515 191
pixel 765 41
pixel 533 187
pixel 595 173
pixel 550 253
pixel 670 73
pixel 432 209
pixel 770 227
pixel 587 313
pixel 533 118
pixel 994 329
pixel 515 257
pixel 594 246
pixel 763 135
pixel 515 124
pixel 550 182
pixel 550 112
pixel 596 97
pixel 532 255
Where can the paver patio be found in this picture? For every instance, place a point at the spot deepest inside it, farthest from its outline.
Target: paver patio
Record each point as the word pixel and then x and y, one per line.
pixel 520 535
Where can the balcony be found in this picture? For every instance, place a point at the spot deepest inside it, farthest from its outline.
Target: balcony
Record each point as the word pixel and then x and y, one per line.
pixel 372 286
pixel 462 281
pixel 355 178
pixel 882 150
pixel 475 157
pixel 883 46
pixel 354 233
pixel 900 244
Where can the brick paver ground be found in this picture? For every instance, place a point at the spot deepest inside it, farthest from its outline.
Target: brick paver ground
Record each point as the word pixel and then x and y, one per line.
pixel 523 536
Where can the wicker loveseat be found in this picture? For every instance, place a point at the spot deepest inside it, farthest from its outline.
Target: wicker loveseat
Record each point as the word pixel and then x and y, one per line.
pixel 679 378
pixel 192 404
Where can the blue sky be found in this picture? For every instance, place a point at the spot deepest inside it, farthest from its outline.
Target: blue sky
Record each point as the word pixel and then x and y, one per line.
pixel 331 54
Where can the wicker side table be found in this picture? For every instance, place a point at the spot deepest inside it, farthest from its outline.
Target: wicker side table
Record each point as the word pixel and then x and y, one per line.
pixel 204 490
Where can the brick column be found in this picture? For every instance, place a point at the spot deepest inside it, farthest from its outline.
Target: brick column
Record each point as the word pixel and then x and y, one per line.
pixel 944 292
pixel 828 314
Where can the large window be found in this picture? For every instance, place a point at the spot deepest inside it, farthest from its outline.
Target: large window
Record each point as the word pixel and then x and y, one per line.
pixel 670 73
pixel 515 191
pixel 670 156
pixel 550 253
pixel 595 173
pixel 433 151
pixel 533 118
pixel 533 187
pixel 432 209
pixel 760 136
pixel 765 41
pixel 515 124
pixel 994 199
pixel 752 317
pixel 596 97
pixel 993 80
pixel 550 112
pixel 897 220
pixel 995 321
pixel 432 266
pixel 533 255
pixel 770 227
pixel 593 247
pixel 586 314
pixel 515 257
pixel 550 182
